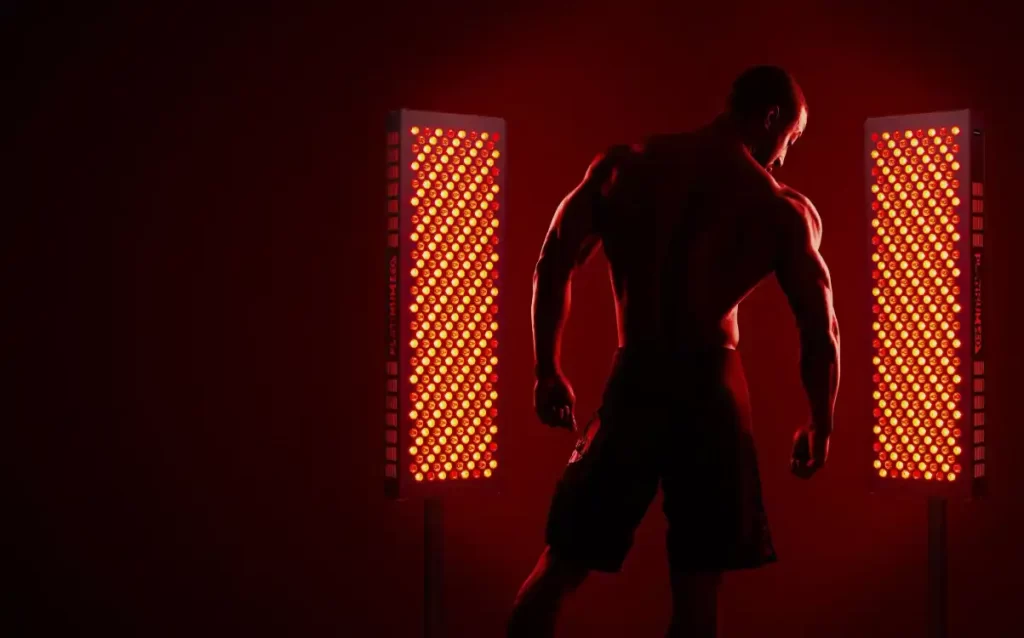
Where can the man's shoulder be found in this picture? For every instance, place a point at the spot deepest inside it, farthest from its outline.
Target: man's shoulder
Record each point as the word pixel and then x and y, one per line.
pixel 608 160
pixel 796 214
pixel 650 156
pixel 794 197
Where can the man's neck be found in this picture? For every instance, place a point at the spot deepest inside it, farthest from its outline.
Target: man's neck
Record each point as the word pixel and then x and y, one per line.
pixel 728 129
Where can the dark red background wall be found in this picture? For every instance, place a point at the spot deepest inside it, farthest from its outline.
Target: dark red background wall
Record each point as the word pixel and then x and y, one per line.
pixel 194 275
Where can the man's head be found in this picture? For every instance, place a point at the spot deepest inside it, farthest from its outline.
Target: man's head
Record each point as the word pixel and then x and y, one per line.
pixel 770 108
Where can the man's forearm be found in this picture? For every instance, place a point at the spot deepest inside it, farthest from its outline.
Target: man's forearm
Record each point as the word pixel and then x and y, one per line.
pixel 550 308
pixel 819 370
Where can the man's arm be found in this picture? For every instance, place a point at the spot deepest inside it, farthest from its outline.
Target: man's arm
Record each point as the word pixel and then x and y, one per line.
pixel 569 244
pixel 804 278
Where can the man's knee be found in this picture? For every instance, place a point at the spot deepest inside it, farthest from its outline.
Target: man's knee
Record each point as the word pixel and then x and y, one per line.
pixel 540 597
pixel 567 573
pixel 553 576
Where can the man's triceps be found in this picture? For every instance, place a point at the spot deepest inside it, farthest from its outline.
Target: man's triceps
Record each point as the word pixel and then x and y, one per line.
pixel 572 236
pixel 805 281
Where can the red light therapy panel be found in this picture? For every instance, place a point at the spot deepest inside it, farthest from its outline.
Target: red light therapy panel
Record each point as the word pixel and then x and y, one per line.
pixel 925 205
pixel 445 251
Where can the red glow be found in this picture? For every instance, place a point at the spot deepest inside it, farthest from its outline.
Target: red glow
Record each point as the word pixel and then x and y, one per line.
pixel 453 391
pixel 903 352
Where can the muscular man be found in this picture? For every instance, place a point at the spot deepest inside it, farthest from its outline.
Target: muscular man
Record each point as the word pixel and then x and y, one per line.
pixel 690 224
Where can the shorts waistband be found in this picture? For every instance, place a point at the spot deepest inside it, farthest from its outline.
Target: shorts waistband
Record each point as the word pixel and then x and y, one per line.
pixel 653 358
pixel 667 350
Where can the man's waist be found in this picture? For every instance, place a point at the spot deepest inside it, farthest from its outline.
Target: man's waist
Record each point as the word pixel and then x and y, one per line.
pixel 674 348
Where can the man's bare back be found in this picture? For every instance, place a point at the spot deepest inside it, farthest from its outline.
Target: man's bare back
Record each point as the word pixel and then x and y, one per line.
pixel 690 227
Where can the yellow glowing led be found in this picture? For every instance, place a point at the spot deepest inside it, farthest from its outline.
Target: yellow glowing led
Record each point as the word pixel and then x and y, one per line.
pixel 450 378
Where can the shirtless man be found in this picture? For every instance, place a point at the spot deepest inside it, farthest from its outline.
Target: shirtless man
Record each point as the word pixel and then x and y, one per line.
pixel 690 224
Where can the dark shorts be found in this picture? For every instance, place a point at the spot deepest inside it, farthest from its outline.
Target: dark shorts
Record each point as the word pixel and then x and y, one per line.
pixel 681 419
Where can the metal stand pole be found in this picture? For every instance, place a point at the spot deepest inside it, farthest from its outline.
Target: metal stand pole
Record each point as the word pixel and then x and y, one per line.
pixel 433 562
pixel 938 609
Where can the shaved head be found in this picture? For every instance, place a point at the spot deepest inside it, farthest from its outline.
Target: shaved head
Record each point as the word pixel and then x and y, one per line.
pixel 761 87
pixel 771 111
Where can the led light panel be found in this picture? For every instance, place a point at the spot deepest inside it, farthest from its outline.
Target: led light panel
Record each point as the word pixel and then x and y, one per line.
pixel 925 204
pixel 445 253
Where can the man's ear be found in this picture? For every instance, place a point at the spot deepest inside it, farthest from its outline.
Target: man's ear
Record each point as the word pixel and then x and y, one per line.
pixel 771 117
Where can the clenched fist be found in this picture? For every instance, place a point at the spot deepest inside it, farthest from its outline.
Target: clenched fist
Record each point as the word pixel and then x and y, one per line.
pixel 553 399
pixel 810 451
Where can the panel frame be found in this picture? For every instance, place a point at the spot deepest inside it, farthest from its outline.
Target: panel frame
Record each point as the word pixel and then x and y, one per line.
pixel 971 482
pixel 402 485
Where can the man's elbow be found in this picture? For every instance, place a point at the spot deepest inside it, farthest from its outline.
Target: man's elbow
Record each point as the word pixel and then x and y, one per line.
pixel 821 341
pixel 819 351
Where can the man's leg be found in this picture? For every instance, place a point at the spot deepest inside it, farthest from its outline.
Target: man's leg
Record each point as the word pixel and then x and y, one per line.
pixel 695 606
pixel 713 505
pixel 536 608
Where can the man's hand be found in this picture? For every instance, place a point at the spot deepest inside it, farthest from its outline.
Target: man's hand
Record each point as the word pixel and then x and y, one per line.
pixel 553 399
pixel 810 451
